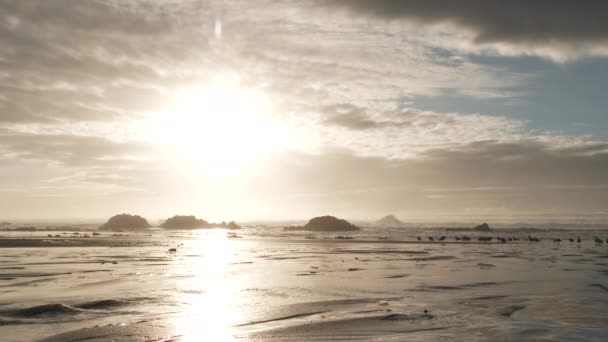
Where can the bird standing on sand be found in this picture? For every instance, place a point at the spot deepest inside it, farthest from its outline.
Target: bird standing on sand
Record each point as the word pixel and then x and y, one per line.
pixel 578 239
pixel 431 238
pixel 598 240
pixel 442 238
pixel 418 237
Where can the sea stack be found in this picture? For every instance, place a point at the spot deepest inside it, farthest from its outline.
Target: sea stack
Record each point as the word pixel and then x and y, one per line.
pixel 326 224
pixel 389 221
pixel 125 222
pixel 184 222
pixel 484 227
pixel 191 222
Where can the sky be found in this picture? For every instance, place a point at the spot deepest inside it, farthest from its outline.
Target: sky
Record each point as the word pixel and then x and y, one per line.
pixel 279 109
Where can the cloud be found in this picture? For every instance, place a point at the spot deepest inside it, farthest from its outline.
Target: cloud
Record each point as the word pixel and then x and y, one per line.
pixel 101 61
pixel 561 28
pixel 405 132
pixel 77 78
pixel 354 117
pixel 476 179
pixel 96 61
pixel 71 150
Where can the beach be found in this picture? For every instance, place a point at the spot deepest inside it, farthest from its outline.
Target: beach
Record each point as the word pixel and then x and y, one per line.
pixel 268 285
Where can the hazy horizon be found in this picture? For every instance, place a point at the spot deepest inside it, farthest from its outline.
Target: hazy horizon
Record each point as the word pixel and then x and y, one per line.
pixel 539 221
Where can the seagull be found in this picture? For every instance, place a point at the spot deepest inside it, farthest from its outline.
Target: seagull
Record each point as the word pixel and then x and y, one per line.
pixel 431 238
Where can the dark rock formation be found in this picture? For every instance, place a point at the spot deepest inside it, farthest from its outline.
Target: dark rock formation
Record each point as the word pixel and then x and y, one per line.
pixel 233 225
pixel 125 222
pixel 229 225
pixel 389 221
pixel 484 227
pixel 325 224
pixel 191 222
pixel 184 222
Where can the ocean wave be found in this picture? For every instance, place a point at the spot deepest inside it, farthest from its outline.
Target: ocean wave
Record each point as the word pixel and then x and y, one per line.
pixel 103 304
pixel 43 310
pixel 60 309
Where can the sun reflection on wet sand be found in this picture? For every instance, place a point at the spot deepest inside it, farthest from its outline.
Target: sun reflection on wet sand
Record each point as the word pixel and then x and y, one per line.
pixel 209 314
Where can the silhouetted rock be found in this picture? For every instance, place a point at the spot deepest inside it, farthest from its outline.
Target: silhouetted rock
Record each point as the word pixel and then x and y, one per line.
pixel 223 224
pixel 184 222
pixel 191 222
pixel 484 227
pixel 233 225
pixel 125 222
pixel 325 224
pixel 389 221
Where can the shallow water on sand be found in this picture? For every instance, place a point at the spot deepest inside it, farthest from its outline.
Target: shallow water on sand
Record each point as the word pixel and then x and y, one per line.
pixel 272 286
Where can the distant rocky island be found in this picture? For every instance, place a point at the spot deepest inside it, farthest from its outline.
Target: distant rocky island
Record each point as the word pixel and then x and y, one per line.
pixel 484 227
pixel 125 222
pixel 191 222
pixel 325 224
pixel 389 221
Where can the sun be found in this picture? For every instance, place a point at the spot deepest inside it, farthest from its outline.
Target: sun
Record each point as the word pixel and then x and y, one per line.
pixel 219 127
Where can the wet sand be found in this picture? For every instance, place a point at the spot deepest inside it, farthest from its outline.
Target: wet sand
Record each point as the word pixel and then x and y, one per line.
pixel 272 286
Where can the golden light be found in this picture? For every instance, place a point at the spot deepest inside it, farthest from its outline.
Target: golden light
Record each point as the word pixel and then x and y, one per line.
pixel 219 127
pixel 211 314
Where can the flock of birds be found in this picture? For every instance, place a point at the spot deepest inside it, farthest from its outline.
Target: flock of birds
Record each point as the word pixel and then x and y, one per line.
pixel 508 239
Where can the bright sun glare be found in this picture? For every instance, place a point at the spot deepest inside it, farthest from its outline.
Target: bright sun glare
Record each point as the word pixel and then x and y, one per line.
pixel 220 126
pixel 211 296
